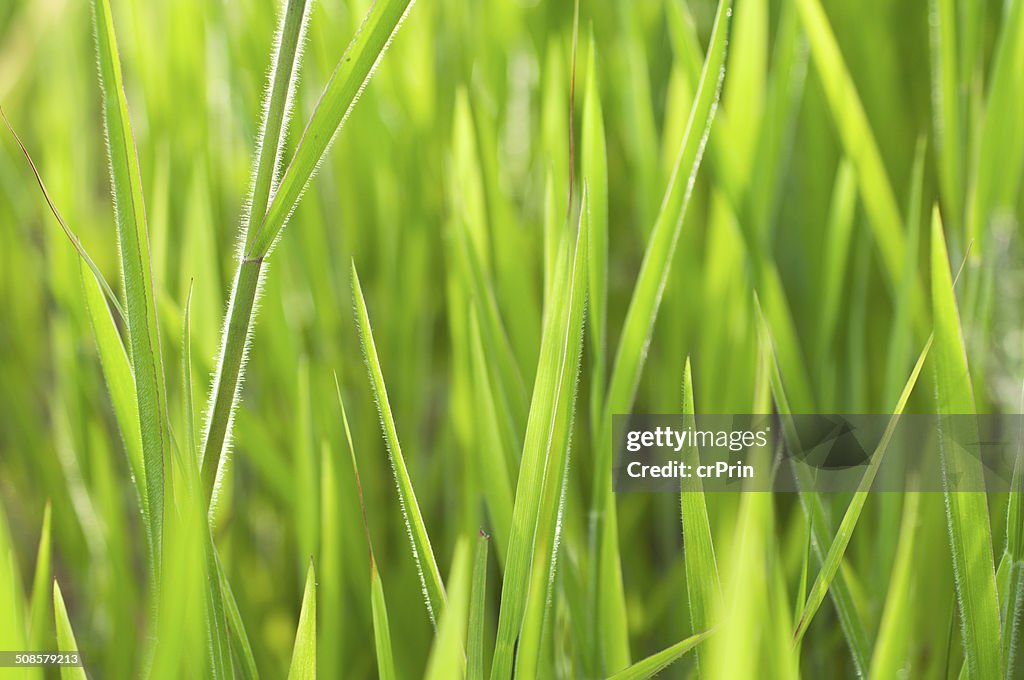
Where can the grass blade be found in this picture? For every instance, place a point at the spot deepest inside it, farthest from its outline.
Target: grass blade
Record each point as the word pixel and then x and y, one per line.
pixel 703 589
pixel 539 489
pixel 236 627
pixel 65 635
pixel 447 658
pixel 303 666
pixel 656 663
pixel 477 611
pixel 40 617
pixel 136 269
pixel 966 512
pixel 423 553
pixel 339 96
pixel 834 559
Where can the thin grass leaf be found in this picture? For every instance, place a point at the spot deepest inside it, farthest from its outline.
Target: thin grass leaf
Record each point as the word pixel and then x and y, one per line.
pixel 477 611
pixel 65 635
pixel 423 553
pixel 894 632
pixel 12 601
pixel 947 102
pixel 656 663
pixel 303 666
pixel 40 615
pixel 703 589
pixel 341 93
pixel 535 513
pixel 636 333
pixel 447 660
pixel 1012 586
pixel 966 511
pixel 236 627
pixel 837 550
pixel 285 60
pixel 136 270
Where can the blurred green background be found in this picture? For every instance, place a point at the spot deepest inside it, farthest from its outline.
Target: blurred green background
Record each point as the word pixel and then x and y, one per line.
pixel 466 123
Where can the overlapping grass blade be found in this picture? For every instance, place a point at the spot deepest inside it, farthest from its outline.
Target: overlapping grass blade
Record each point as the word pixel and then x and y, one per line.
pixel 303 666
pixel 636 332
pixel 238 322
pixel 136 270
pixel 477 611
pixel 339 96
pixel 703 589
pixel 539 489
pixel 656 663
pixel 65 635
pixel 423 553
pixel 966 510
pixel 833 560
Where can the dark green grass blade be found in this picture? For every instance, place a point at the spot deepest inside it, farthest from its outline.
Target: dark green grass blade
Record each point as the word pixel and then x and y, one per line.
pixel 339 96
pixel 136 269
pixel 703 588
pixel 423 553
pixel 656 663
pixel 966 511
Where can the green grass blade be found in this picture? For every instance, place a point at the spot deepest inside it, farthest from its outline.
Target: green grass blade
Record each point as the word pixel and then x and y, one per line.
pixel 447 659
pixel 1012 588
pixel 894 632
pixel 339 96
pixel 303 666
pixel 12 600
pixel 423 553
pixel 857 138
pixel 947 102
pixel 236 627
pixel 837 550
pixel 65 635
pixel 381 628
pixel 238 321
pixel 703 588
pixel 40 616
pixel 966 512
pixel 136 269
pixel 539 488
pixel 477 611
pixel 656 663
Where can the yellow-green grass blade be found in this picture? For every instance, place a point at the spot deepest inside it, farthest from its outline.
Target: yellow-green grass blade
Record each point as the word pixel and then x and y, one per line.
pixel 477 611
pixel 656 663
pixel 595 176
pixel 857 138
pixel 837 550
pixel 12 600
pixel 636 332
pixel 381 628
pixel 447 660
pixel 238 320
pixel 350 76
pixel 246 660
pixel 966 511
pixel 423 553
pixel 303 666
pixel 947 102
pixel 1011 586
pixel 703 589
pixel 136 270
pixel 65 635
pixel 837 244
pixel 538 491
pixel 814 510
pixel 40 615
pixel 552 498
pixel 895 629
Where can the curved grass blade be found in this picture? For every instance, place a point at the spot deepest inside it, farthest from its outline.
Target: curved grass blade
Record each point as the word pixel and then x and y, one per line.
pixel 238 321
pixel 966 511
pixel 533 539
pixel 303 666
pixel 339 96
pixel 477 611
pixel 236 627
pixel 65 635
pixel 423 553
pixel 136 269
pixel 837 550
pixel 40 616
pixel 703 588
pixel 656 663
pixel 610 624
